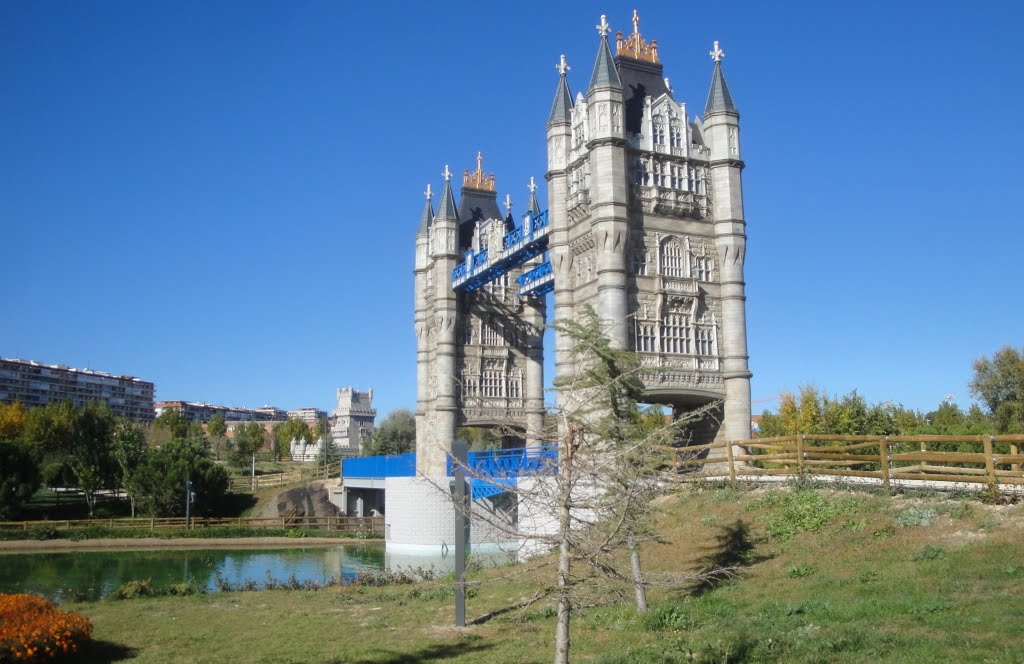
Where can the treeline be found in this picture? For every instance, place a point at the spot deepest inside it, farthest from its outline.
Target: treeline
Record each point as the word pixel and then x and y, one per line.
pixel 998 384
pixel 91 449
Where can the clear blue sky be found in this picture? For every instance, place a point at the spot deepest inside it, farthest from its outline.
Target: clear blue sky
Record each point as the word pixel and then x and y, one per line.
pixel 221 197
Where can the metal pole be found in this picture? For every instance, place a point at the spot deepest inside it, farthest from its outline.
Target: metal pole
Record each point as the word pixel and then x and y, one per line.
pixel 460 450
pixel 188 501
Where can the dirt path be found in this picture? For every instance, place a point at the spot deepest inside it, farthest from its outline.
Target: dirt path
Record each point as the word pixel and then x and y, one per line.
pixel 36 546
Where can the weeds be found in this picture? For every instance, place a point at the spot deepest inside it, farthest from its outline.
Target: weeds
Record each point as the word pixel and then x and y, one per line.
pixel 916 516
pixel 802 510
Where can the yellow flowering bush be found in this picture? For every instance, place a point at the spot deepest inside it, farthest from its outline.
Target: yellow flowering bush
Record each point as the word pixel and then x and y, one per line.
pixel 32 629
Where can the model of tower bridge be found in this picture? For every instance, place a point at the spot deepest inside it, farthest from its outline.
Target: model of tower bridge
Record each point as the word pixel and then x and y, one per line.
pixel 644 223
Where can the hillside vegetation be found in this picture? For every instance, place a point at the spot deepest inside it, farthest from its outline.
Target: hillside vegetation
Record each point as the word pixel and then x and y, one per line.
pixel 821 575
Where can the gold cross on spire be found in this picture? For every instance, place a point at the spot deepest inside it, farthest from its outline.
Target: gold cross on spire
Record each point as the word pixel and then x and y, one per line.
pixel 477 179
pixel 717 54
pixel 636 23
pixel 634 46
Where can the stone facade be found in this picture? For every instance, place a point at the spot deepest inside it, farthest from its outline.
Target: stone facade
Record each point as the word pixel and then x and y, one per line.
pixel 353 420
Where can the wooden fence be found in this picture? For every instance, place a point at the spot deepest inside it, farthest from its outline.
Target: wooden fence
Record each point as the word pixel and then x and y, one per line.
pixel 984 459
pixel 344 524
pixel 255 483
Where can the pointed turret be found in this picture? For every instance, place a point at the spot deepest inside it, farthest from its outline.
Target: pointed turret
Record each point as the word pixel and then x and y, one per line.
pixel 719 97
pixel 604 74
pixel 446 209
pixel 562 106
pixel 428 214
pixel 533 206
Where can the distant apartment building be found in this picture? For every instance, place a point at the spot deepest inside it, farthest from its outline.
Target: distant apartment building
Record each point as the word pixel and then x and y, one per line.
pixel 35 384
pixel 203 412
pixel 308 415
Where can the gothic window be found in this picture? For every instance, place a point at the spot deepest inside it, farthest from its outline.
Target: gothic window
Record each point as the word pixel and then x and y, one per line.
pixel 676 134
pixel 705 341
pixel 492 333
pixel 646 339
pixel 643 175
pixel 678 176
pixel 659 174
pixel 702 267
pixel 469 331
pixel 659 130
pixel 470 387
pixel 491 383
pixel 672 262
pixel 675 334
pixel 640 263
pixel 515 387
pixel 578 135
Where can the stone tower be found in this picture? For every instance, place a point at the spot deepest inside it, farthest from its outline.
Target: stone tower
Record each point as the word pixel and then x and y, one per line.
pixel 647 222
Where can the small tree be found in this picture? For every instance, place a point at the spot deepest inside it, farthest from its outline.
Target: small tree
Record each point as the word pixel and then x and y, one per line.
pixel 249 439
pixel 129 449
pixel 217 429
pixel 395 435
pixel 293 429
pixel 999 384
pixel 90 457
pixel 19 476
pixel 174 422
pixel 12 421
pixel 162 476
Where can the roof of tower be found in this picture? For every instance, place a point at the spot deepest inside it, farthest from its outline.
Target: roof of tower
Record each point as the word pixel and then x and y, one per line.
pixel 428 214
pixel 562 105
pixel 604 67
pixel 478 201
pixel 533 206
pixel 446 209
pixel 641 73
pixel 719 97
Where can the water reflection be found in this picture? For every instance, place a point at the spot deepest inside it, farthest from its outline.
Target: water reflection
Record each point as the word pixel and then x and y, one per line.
pixel 93 575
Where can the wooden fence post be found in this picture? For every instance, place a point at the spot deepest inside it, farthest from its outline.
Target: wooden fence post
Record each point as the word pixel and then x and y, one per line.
pixel 732 463
pixel 800 453
pixel 990 468
pixel 1014 451
pixel 883 453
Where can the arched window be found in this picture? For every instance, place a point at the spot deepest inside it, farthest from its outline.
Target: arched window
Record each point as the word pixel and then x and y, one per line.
pixel 676 134
pixel 672 259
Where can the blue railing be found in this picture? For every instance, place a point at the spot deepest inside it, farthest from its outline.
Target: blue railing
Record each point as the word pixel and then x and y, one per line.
pixel 491 471
pixel 378 467
pixel 519 245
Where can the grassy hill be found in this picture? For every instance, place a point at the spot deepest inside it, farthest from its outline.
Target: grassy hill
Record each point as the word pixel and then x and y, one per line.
pixel 824 576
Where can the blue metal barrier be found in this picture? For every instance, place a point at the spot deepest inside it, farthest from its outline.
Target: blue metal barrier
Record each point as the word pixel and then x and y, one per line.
pixel 377 467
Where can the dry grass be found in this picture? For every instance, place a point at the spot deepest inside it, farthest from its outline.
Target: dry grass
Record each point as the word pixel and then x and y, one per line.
pixel 855 587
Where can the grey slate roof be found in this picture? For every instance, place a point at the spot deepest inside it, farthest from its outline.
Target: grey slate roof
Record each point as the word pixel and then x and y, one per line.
pixel 639 80
pixel 604 68
pixel 475 205
pixel 563 103
pixel 533 206
pixel 719 97
pixel 447 210
pixel 426 218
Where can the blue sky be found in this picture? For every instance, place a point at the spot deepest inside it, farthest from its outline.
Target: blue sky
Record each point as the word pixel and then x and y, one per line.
pixel 222 197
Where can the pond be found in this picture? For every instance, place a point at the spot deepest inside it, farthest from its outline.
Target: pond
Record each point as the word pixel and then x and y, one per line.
pixel 94 575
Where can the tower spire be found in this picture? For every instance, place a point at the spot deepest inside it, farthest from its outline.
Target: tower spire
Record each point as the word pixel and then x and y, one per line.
pixel 533 206
pixel 604 74
pixel 446 208
pixel 428 213
pixel 562 105
pixel 719 97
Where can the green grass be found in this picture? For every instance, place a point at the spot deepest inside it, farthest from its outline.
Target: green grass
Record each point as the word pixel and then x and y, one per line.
pixel 829 576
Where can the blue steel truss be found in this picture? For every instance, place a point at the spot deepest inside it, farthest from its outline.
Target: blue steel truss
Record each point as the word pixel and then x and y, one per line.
pixel 519 245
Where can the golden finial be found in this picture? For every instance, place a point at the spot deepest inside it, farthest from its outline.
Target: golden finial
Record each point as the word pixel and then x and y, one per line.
pixel 634 46
pixel 477 179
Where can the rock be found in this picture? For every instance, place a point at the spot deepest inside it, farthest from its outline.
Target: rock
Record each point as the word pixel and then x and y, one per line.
pixel 308 500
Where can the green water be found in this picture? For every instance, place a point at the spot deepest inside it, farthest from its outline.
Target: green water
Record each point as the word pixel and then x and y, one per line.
pixel 94 575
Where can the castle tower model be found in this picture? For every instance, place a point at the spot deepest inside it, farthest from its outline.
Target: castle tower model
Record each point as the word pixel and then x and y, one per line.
pixel 647 222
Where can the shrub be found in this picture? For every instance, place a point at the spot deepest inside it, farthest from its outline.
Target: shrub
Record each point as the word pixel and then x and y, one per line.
pixel 32 629
pixel 133 590
pixel 917 516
